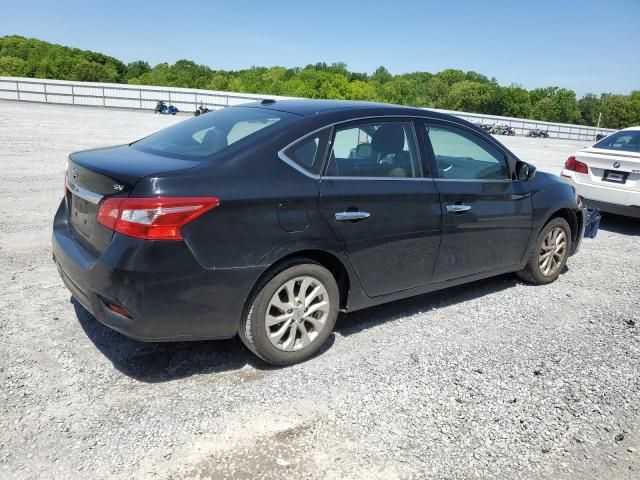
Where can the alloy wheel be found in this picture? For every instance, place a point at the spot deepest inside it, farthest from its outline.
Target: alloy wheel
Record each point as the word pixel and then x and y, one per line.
pixel 552 251
pixel 297 313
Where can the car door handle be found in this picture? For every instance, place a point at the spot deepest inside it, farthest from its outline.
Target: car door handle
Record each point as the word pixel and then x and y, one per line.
pixel 457 208
pixel 351 216
pixel 518 196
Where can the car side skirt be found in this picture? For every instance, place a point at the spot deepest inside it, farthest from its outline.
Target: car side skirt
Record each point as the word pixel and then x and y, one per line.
pixel 359 302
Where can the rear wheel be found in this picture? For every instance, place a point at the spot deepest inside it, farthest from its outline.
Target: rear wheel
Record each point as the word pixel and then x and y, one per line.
pixel 291 313
pixel 550 253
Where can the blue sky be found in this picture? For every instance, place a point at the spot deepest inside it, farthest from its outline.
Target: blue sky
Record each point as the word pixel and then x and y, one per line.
pixel 583 45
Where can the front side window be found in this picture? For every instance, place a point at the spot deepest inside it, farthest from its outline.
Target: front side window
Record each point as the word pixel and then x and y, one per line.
pixel 309 152
pixel 461 155
pixel 209 134
pixel 373 149
pixel 627 141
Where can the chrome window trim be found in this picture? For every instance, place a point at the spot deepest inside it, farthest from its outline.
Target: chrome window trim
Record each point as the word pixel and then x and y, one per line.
pixel 299 168
pixel 85 194
pixel 475 180
pixel 283 156
pixel 419 179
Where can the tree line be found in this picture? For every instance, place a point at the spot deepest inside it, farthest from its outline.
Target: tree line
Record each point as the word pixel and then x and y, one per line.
pixel 449 89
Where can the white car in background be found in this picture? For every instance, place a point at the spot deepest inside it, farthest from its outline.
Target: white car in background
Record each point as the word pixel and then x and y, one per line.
pixel 607 174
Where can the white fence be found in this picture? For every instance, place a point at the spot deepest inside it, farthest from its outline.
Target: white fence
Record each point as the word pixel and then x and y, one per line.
pixel 186 99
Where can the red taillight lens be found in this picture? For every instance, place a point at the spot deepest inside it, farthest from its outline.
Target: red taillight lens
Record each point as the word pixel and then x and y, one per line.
pixel 158 218
pixel 576 166
pixel 117 309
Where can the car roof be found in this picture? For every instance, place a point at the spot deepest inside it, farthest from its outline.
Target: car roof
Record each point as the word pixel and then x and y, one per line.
pixel 305 107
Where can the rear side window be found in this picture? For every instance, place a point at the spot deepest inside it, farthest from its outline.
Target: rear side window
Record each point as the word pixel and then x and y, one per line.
pixel 375 150
pixel 308 153
pixel 461 155
pixel 627 141
pixel 212 133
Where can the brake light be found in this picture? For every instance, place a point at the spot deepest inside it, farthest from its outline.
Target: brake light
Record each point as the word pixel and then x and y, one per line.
pixel 575 166
pixel 159 218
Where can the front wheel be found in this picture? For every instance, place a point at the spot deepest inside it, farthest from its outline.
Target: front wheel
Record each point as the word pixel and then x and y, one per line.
pixel 291 313
pixel 550 254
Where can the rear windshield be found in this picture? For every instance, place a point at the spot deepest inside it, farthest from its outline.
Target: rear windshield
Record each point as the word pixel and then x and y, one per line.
pixel 628 141
pixel 210 133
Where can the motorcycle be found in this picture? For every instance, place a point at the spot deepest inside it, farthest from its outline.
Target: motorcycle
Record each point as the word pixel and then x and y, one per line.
pixel 502 130
pixel 484 126
pixel 201 110
pixel 536 132
pixel 165 109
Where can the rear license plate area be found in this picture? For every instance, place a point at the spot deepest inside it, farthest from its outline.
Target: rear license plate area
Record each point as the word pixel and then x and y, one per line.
pixel 83 215
pixel 615 177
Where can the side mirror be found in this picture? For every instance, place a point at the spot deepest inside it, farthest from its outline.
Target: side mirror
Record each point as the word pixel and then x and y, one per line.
pixel 524 171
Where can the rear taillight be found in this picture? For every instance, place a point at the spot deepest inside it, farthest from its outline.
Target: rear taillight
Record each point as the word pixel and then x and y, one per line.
pixel 575 166
pixel 158 218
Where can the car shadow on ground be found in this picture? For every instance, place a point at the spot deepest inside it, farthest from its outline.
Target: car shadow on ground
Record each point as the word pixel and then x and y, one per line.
pixel 362 319
pixel 619 224
pixel 154 362
pixel 162 362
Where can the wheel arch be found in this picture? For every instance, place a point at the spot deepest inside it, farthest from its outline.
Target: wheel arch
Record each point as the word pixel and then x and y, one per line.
pixel 572 219
pixel 327 259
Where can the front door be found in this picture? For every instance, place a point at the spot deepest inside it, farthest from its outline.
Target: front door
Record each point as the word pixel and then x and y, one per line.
pixel 384 213
pixel 487 216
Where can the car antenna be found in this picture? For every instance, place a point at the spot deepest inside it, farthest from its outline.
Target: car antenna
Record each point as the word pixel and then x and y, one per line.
pixel 267 101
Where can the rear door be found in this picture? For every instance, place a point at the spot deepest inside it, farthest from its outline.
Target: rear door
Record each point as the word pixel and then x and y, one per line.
pixel 487 216
pixel 383 211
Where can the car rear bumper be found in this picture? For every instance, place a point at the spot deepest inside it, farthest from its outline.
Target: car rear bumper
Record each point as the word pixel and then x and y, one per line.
pixel 627 211
pixel 168 295
pixel 604 197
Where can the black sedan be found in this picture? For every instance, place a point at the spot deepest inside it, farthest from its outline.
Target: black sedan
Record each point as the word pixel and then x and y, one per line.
pixel 266 220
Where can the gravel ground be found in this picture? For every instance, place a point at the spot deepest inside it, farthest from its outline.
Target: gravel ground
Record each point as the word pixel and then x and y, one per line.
pixel 492 380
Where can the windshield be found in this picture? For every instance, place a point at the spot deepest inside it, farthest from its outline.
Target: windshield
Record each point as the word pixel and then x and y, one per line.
pixel 626 140
pixel 210 133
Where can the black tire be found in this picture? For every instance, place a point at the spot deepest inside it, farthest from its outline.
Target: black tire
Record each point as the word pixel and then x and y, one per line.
pixel 532 272
pixel 196 113
pixel 253 330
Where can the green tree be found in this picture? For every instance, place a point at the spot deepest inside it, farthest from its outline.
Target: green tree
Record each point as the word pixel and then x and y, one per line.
pixel 381 75
pixel 451 76
pixel 12 66
pixel 468 96
pixel 516 102
pixel 617 111
pixel 590 108
pixel 553 104
pixel 136 69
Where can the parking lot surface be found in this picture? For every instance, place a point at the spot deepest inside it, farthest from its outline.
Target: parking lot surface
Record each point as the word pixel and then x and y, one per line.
pixel 495 379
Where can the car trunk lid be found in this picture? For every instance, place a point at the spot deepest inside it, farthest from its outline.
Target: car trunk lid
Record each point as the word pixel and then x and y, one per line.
pixel 95 175
pixel 613 168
